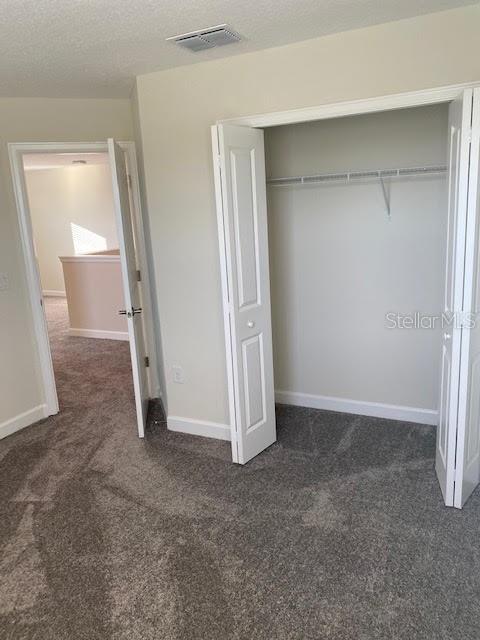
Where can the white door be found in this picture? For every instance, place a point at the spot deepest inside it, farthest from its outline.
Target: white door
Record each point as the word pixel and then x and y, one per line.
pixel 241 200
pixel 459 124
pixel 467 475
pixel 130 282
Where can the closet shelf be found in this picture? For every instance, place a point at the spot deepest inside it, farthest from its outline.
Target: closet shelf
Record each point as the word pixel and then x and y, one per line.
pixel 359 176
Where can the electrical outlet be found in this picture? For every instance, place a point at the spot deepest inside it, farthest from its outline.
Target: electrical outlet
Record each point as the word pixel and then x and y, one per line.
pixel 4 283
pixel 178 374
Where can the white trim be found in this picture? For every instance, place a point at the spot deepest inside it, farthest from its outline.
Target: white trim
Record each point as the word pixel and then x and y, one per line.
pixel 145 288
pixel 98 333
pixel 61 147
pixel 53 293
pixel 222 247
pixel 33 279
pixel 23 420
pixel 92 258
pixel 354 107
pixel 16 150
pixel 359 407
pixel 199 427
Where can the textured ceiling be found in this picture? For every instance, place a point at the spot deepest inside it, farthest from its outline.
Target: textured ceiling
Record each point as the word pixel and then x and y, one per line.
pixel 96 47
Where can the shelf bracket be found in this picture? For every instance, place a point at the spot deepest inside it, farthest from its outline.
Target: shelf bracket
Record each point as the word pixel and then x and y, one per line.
pixel 386 196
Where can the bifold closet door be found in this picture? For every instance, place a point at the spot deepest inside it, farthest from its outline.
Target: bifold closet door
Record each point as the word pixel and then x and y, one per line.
pixel 239 160
pixel 132 311
pixel 457 457
pixel 467 473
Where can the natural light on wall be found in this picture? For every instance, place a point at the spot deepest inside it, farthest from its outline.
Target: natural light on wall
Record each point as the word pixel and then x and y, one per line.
pixel 85 241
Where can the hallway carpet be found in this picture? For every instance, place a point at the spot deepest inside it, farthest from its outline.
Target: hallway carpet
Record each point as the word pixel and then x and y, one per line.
pixel 336 532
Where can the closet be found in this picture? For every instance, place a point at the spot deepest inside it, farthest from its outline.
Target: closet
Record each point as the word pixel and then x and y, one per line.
pixel 360 241
pixel 349 262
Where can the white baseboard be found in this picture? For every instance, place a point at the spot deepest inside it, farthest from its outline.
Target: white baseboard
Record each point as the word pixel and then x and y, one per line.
pixel 23 420
pixel 199 427
pixel 53 293
pixel 95 333
pixel 373 409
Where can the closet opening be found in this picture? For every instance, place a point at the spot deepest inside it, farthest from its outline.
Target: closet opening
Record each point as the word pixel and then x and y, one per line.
pixel 357 239
pixel 349 254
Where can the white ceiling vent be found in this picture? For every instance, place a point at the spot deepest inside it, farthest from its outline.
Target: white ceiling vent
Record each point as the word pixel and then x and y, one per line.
pixel 207 38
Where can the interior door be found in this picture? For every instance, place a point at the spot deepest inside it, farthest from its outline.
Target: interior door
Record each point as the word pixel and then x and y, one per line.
pixel 241 197
pixel 467 475
pixel 459 124
pixel 130 282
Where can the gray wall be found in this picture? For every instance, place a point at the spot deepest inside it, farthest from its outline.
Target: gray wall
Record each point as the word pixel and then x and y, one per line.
pixel 339 265
pixel 176 109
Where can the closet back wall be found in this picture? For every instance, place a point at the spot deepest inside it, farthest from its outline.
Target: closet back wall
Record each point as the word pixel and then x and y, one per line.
pixel 339 265
pixel 72 213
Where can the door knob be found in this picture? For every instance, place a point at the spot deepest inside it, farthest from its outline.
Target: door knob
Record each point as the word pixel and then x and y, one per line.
pixel 134 311
pixel 250 324
pixel 123 312
pixel 447 336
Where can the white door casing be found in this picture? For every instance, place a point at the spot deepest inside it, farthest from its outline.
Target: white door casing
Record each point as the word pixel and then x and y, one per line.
pixel 467 473
pixel 458 166
pixel 121 198
pixel 239 161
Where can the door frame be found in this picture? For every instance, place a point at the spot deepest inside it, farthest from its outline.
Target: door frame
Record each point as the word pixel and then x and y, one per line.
pixel 324 111
pixel 16 151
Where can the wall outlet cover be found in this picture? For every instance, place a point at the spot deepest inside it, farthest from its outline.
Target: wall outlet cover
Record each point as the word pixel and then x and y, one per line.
pixel 4 283
pixel 178 374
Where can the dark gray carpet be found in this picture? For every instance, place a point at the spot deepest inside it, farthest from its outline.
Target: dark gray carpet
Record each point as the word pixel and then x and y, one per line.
pixel 336 532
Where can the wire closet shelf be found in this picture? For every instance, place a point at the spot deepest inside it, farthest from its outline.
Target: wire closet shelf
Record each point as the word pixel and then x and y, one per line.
pixel 359 176
pixel 355 177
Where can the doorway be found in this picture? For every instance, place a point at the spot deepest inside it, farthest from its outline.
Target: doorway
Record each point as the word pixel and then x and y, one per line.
pixel 242 220
pixel 103 270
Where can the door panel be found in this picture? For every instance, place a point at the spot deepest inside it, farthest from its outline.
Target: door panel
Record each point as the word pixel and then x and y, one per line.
pixel 243 236
pixel 444 405
pixel 246 226
pixel 131 289
pixel 254 375
pixel 467 474
pixel 459 121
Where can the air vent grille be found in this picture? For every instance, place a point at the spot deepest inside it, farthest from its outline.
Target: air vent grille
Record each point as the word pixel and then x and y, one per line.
pixel 217 36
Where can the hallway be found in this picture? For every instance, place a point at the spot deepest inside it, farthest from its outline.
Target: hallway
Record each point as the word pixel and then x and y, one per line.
pixel 337 531
pixel 89 373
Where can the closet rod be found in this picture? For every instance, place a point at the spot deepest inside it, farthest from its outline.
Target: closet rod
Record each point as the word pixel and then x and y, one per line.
pixel 359 176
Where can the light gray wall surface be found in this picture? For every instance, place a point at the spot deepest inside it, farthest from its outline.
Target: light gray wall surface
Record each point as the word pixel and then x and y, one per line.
pixel 72 213
pixel 176 109
pixel 339 264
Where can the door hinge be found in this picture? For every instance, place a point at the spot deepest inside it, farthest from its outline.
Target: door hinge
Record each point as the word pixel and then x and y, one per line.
pixel 129 177
pixel 139 275
pixel 147 361
pixel 456 475
pixel 469 135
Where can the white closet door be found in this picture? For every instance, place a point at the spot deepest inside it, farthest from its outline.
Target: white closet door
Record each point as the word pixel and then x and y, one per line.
pixel 459 124
pixel 467 475
pixel 121 199
pixel 244 245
